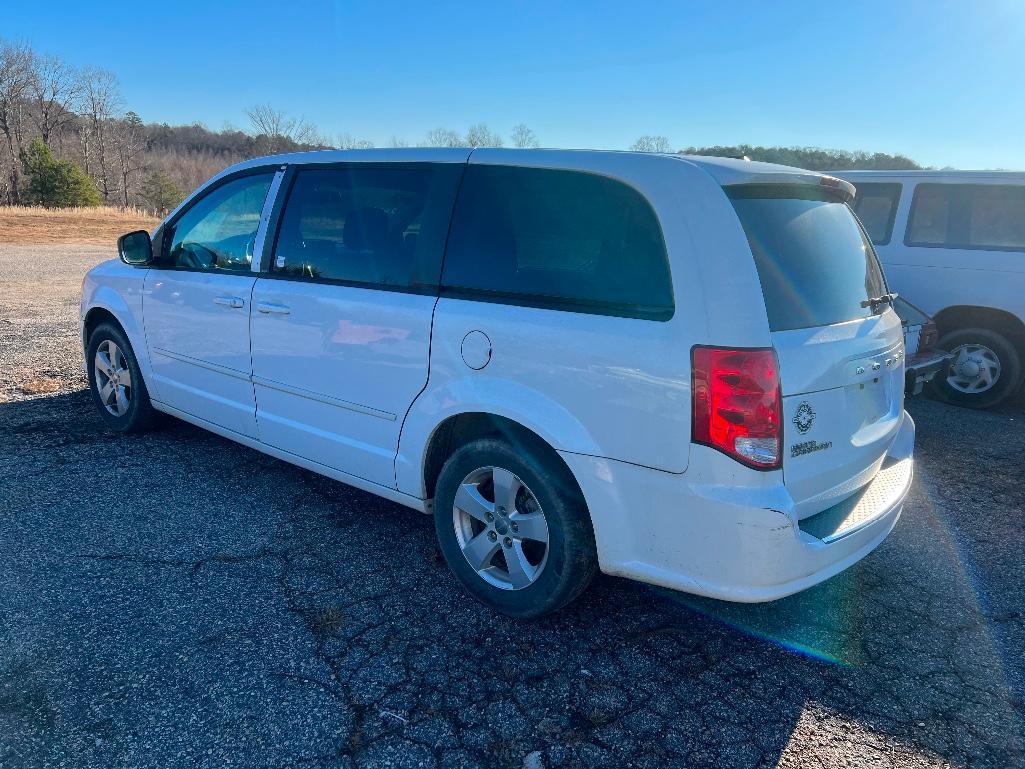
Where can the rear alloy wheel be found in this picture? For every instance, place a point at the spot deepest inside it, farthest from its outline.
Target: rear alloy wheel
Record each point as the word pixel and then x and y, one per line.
pixel 513 527
pixel 500 528
pixel 985 368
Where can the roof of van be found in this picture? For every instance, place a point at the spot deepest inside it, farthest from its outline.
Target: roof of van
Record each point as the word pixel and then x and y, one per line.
pixel 947 175
pixel 725 171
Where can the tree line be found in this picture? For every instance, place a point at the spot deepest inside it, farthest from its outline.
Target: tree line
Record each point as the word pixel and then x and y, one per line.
pixel 68 139
pixel 812 158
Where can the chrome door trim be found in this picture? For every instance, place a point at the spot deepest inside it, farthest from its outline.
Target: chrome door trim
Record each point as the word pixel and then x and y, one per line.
pixel 310 395
pixel 280 386
pixel 234 373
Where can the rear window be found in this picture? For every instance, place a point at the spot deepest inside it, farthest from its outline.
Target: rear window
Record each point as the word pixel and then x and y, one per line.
pixel 876 206
pixel 815 263
pixel 971 216
pixel 564 240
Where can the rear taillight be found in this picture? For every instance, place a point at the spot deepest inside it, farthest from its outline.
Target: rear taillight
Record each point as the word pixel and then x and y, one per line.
pixel 737 406
pixel 928 336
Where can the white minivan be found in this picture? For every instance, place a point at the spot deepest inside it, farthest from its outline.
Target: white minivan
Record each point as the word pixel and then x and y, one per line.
pixel 953 242
pixel 680 370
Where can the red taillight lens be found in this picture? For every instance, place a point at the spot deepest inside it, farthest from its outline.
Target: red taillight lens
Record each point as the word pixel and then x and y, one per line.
pixel 928 336
pixel 737 407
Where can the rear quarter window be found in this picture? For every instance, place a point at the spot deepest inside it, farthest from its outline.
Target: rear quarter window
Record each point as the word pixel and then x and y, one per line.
pixel 565 240
pixel 814 261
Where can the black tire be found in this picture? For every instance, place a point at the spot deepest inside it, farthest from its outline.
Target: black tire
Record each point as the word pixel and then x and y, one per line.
pixel 1007 383
pixel 571 557
pixel 140 415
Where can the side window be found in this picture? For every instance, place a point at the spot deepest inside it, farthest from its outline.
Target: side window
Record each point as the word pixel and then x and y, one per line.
pixel 969 216
pixel 930 215
pixel 219 231
pixel 876 207
pixel 380 226
pixel 996 217
pixel 557 239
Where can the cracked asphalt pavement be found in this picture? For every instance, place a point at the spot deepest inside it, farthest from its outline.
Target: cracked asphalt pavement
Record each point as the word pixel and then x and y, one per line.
pixel 173 599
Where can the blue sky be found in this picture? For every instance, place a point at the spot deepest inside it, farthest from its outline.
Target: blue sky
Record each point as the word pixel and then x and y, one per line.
pixel 943 82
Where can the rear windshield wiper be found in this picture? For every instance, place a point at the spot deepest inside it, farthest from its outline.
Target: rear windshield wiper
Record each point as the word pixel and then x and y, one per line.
pixel 875 301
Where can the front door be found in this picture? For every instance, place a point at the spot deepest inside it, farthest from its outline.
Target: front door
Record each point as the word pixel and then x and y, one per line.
pixel 341 322
pixel 196 305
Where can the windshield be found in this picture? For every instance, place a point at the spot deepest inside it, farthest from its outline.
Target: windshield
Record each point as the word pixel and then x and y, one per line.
pixel 815 264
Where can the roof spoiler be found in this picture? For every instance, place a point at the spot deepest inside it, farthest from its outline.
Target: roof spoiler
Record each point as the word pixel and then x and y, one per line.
pixel 843 190
pixel 844 187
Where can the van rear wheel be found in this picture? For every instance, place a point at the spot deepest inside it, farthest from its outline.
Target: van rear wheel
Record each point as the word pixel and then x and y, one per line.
pixel 985 369
pixel 513 530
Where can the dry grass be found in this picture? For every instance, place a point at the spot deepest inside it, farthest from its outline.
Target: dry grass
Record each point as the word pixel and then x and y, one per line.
pixel 94 226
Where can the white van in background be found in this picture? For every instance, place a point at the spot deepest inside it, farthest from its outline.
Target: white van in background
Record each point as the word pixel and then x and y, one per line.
pixel 953 242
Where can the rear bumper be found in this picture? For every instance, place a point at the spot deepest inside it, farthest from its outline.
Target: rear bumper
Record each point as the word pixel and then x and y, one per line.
pixel 702 534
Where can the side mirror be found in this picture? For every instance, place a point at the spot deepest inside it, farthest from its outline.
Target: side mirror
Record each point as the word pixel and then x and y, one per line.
pixel 135 248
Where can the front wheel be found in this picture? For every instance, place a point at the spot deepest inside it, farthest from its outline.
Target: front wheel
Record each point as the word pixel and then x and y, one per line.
pixel 984 371
pixel 115 381
pixel 513 528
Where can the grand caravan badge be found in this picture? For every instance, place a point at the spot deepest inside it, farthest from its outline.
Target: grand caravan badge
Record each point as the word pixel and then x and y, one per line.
pixel 809 447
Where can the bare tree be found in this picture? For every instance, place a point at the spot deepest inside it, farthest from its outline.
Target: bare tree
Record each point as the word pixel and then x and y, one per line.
pixel 441 137
pixel 128 139
pixel 100 99
pixel 652 144
pixel 525 138
pixel 280 129
pixel 347 141
pixel 479 135
pixel 15 80
pixel 395 141
pixel 54 90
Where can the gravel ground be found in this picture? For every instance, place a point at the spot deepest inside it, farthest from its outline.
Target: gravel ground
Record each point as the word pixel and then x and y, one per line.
pixel 174 599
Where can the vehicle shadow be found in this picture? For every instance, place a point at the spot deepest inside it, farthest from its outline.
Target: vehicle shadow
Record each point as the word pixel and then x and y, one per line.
pixel 203 594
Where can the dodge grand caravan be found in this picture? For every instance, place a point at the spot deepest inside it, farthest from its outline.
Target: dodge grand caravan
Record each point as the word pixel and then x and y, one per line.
pixel 680 370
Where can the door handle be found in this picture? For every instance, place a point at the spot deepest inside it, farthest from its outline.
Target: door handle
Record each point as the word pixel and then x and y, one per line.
pixel 230 301
pixel 270 308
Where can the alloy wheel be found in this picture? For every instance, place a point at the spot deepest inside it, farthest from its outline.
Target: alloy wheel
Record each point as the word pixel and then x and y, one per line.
pixel 500 528
pixel 113 378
